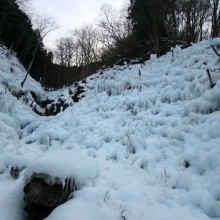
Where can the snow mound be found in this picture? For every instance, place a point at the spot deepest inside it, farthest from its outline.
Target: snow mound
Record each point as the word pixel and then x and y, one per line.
pixel 74 166
pixel 90 205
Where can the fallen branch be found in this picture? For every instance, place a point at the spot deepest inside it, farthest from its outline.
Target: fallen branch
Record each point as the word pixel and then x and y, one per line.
pixel 106 197
pixel 122 212
pixel 215 50
pixel 210 79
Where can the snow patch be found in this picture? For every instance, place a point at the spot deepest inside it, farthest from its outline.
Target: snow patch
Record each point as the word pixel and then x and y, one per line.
pixel 72 165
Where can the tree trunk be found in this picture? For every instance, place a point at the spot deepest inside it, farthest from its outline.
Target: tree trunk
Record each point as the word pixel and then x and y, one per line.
pixel 31 63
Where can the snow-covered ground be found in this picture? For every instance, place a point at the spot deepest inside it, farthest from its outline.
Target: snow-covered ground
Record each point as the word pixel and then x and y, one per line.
pixel 143 144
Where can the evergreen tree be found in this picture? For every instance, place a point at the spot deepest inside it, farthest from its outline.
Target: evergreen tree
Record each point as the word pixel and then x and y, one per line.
pixel 148 19
pixel 16 32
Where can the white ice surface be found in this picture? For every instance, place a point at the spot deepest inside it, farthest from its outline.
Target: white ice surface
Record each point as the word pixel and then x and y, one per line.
pixel 145 147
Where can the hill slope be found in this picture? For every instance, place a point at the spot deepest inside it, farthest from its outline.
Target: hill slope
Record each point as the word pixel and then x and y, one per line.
pixel 152 133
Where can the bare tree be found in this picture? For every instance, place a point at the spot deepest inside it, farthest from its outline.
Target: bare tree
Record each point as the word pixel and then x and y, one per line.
pixel 43 25
pixel 86 45
pixel 65 51
pixel 24 4
pixel 215 18
pixel 69 48
pixel 194 15
pixel 114 27
pixel 59 52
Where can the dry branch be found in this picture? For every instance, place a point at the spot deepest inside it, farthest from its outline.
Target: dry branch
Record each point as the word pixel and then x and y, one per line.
pixel 215 50
pixel 210 79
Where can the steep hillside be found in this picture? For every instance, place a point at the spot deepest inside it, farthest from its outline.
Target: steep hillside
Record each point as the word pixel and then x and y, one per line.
pixel 142 144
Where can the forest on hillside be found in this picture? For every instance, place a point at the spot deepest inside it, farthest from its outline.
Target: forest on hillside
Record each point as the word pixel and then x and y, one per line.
pixel 138 29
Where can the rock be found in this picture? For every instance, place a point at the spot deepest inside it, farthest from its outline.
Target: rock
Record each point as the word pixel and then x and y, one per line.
pixel 56 107
pixel 122 62
pixel 78 94
pixel 42 198
pixel 15 171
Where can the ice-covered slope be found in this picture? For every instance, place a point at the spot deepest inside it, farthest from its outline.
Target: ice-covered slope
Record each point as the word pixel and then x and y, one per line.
pixel 152 133
pixel 14 111
pixel 14 115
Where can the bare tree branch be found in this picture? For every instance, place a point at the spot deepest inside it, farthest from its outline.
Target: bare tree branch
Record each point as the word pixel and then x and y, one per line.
pixel 215 50
pixel 210 79
pixel 43 25
pixel 114 27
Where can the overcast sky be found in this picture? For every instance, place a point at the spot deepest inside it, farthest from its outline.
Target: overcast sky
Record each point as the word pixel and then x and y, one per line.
pixel 70 13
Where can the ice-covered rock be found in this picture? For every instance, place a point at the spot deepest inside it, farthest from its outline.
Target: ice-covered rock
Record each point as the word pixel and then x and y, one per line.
pixel 41 197
pixel 51 178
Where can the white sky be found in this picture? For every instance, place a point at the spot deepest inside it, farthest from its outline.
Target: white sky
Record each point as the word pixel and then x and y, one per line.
pixel 70 13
